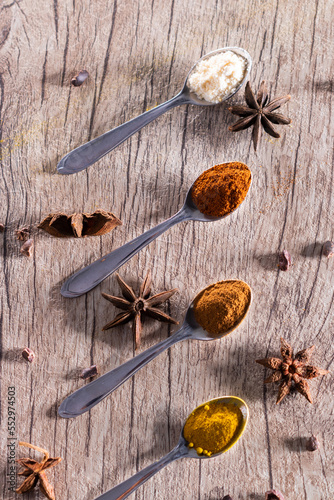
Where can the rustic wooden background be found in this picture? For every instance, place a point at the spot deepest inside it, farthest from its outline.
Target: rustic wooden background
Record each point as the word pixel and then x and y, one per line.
pixel 137 54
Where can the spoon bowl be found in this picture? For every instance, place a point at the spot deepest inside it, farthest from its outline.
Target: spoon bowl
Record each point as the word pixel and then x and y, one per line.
pixel 91 394
pixel 87 154
pixel 90 276
pixel 181 450
pixel 241 405
pixel 194 99
pixel 198 333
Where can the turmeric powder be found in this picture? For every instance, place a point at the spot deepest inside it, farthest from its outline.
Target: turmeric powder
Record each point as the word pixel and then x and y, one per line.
pixel 212 426
pixel 220 307
pixel 221 189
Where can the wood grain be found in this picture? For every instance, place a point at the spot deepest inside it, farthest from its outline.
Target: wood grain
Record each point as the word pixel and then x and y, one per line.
pixel 137 54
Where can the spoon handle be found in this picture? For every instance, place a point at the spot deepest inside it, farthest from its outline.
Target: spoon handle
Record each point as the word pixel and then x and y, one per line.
pixel 125 489
pixel 87 154
pixel 91 394
pixel 90 276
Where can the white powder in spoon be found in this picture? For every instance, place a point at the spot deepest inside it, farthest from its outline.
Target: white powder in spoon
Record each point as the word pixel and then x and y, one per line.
pixel 216 77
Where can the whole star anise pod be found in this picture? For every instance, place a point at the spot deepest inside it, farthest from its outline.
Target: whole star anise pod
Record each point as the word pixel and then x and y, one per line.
pixel 292 369
pixel 79 225
pixel 135 307
pixel 259 113
pixel 34 472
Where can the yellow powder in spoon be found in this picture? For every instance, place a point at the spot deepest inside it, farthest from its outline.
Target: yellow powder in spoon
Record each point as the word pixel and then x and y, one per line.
pixel 212 426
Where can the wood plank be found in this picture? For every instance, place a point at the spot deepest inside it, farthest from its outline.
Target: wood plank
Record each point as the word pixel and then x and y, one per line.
pixel 138 54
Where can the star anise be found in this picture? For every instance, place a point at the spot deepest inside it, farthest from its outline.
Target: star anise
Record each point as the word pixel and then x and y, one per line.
pixel 34 472
pixel 79 225
pixel 259 112
pixel 292 369
pixel 135 307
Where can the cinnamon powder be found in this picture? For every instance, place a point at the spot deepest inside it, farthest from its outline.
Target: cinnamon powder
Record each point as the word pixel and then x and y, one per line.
pixel 221 189
pixel 221 306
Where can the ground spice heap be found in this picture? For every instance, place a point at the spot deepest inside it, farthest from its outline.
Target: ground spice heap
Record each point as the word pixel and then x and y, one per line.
pixel 217 76
pixel 221 189
pixel 212 426
pixel 222 306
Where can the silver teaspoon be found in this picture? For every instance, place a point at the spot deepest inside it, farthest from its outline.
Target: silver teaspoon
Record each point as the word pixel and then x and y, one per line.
pixel 87 154
pixel 91 394
pixel 90 276
pixel 181 450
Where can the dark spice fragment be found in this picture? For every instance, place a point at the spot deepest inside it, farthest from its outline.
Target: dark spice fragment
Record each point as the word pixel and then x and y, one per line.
pixel 274 495
pixel 28 354
pixel 79 225
pixel 89 372
pixel 27 248
pixel 22 234
pixel 2 228
pixel 227 497
pixel 78 80
pixel 312 443
pixel 328 249
pixel 284 260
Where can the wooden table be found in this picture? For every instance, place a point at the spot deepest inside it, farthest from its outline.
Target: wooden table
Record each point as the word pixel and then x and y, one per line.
pixel 137 54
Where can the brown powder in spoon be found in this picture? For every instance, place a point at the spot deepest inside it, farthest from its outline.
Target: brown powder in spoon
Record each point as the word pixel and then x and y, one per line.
pixel 221 189
pixel 221 306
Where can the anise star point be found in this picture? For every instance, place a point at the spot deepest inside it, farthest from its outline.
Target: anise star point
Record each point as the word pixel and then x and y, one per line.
pixel 292 370
pixel 34 472
pixel 134 307
pixel 258 113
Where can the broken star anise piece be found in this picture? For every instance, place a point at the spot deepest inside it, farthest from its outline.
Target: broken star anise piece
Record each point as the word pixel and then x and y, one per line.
pixel 259 113
pixel 22 234
pixel 134 307
pixel 274 495
pixel 34 472
pixel 27 248
pixel 80 225
pixel 292 369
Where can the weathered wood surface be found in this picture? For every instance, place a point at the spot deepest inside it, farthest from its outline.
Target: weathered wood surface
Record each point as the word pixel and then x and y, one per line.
pixel 138 54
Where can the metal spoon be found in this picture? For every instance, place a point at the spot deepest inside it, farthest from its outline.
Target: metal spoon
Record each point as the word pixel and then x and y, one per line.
pixel 90 276
pixel 87 154
pixel 181 450
pixel 91 394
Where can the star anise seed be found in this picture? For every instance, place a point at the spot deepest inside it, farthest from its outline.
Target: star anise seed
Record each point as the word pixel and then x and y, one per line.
pixel 312 444
pixel 135 307
pixel 258 113
pixel 34 472
pixel 292 369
